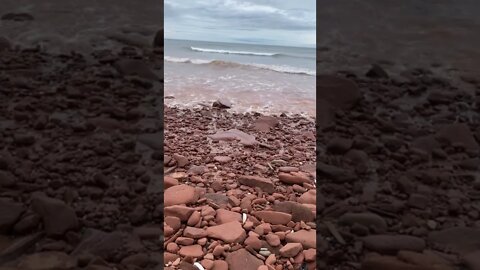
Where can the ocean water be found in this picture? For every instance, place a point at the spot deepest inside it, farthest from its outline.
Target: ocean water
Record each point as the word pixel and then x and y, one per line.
pixel 267 79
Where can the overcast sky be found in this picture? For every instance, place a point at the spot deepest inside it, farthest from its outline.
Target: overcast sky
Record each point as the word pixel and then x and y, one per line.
pixel 274 22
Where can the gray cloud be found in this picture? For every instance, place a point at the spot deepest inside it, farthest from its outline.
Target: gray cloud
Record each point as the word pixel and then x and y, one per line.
pixel 265 20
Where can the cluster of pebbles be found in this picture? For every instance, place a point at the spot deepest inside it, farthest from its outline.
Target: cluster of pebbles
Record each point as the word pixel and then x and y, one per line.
pixel 81 159
pixel 398 171
pixel 239 191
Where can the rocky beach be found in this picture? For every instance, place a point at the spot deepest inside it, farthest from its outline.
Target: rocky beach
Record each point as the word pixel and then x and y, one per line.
pixel 398 160
pixel 81 158
pixel 239 190
pixel 397 171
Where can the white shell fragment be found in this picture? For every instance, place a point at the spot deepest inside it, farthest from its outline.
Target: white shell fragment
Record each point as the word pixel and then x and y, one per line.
pixel 244 218
pixel 199 266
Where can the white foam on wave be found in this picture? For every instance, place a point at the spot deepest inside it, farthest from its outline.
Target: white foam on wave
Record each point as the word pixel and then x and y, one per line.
pixel 232 52
pixel 276 68
pixel 186 60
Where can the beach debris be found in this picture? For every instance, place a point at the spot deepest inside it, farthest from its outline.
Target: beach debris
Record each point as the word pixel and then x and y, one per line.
pixel 198 265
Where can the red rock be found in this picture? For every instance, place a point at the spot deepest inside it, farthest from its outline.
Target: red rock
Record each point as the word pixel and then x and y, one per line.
pixel 194 218
pixel 271 259
pixel 309 197
pixel 265 123
pixel 197 170
pixel 220 265
pixel 310 254
pixel 298 211
pixel 169 182
pixel 131 67
pixel 218 251
pixel 207 264
pixel 325 113
pixel 27 223
pixel 222 159
pixel 167 230
pixel 293 178
pixel 339 145
pixel 100 243
pixel 264 184
pixel 273 239
pixel 225 216
pixel 263 228
pixel 10 212
pixel 299 258
pixel 458 133
pixel 393 243
pixel 47 260
pixel 390 263
pixel 173 247
pixel 231 232
pixel 337 174
pixel 4 44
pixel 194 233
pixel 185 241
pixel 182 212
pixel 139 259
pixel 173 222
pixel 148 232
pixel 290 250
pixel 460 239
pixel 7 179
pixel 181 160
pixel 308 239
pixel 194 251
pixel 186 265
pixel 472 259
pixel 57 216
pixel 339 92
pixel 242 260
pixel 426 259
pixel 287 169
pixel 219 199
pixel 368 220
pixel 180 194
pixel 272 217
pixel 253 242
pixel 169 257
pixel 234 201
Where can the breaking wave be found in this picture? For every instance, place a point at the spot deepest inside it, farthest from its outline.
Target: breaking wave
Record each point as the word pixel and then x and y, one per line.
pixel 227 64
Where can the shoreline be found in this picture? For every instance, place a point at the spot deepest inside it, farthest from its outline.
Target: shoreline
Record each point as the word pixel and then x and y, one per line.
pixel 238 112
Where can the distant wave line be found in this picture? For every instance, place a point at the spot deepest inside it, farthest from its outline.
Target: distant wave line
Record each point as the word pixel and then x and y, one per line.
pixel 233 52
